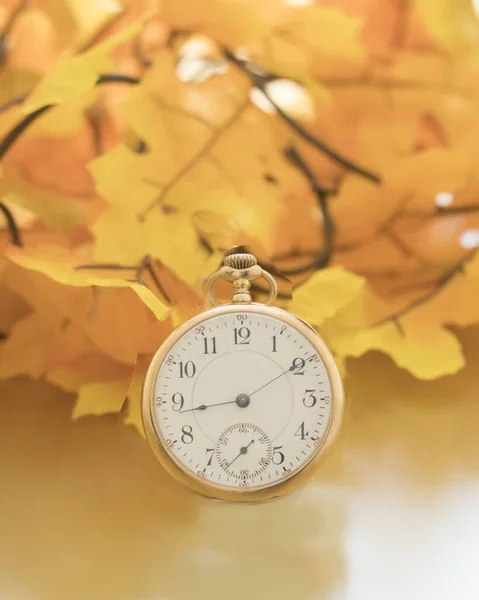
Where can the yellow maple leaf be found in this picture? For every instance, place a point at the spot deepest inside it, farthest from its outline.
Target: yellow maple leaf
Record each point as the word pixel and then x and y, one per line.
pixel 425 351
pixel 191 166
pixel 78 315
pixel 329 31
pixel 91 16
pixel 100 398
pixel 472 267
pixel 451 23
pixel 70 77
pixel 35 344
pixel 316 41
pixel 90 367
pixel 122 236
pixel 414 333
pixel 133 409
pixel 454 304
pixel 232 22
pixel 56 264
pixel 28 333
pixel 324 294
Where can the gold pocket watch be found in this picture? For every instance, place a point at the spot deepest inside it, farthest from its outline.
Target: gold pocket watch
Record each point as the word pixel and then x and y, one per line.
pixel 241 401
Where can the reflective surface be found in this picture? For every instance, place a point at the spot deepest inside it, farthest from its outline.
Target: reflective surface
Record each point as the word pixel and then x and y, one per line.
pixel 87 512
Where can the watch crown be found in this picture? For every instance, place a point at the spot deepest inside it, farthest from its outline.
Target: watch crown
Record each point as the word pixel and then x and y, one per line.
pixel 240 261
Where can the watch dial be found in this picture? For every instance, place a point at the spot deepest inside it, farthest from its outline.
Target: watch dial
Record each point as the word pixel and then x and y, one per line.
pixel 242 401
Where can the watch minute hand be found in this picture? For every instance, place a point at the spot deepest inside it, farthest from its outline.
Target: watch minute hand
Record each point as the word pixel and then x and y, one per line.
pixel 291 368
pixel 205 406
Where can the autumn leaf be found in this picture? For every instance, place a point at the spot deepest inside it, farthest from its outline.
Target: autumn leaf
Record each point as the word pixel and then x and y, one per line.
pixel 229 22
pixel 205 173
pixel 56 264
pixel 92 16
pixel 70 77
pixel 375 225
pixel 451 24
pixel 30 332
pixel 414 335
pixel 100 398
pixel 324 294
pixel 90 366
pixel 134 397
pixel 427 352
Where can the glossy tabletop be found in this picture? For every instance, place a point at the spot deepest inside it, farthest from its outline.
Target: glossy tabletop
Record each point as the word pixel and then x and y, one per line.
pixel 86 512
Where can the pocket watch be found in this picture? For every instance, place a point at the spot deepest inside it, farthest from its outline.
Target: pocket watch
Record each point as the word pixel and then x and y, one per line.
pixel 240 402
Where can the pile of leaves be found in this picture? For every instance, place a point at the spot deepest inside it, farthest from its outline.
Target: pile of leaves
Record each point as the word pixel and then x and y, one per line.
pixel 139 141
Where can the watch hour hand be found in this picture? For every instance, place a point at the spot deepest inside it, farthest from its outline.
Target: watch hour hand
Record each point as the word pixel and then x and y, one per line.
pixel 243 400
pixel 205 406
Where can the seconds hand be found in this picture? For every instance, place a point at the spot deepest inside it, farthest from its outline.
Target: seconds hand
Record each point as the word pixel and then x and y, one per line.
pixel 243 450
pixel 291 368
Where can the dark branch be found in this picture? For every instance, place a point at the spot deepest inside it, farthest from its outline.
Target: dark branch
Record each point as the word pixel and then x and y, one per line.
pixel 324 257
pixel 442 283
pixel 105 266
pixel 260 81
pixel 144 265
pixel 458 210
pixel 12 226
pixel 156 280
pixel 20 127
pixel 117 78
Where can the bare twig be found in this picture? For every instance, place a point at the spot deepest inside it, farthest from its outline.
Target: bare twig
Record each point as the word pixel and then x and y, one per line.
pixel 324 257
pixel 20 127
pixel 445 211
pixel 12 226
pixel 442 283
pixel 260 81
pixel 144 265
pixel 458 210
pixel 117 78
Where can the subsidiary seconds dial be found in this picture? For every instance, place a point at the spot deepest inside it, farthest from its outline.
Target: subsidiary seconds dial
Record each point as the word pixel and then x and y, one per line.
pixel 242 400
pixel 243 451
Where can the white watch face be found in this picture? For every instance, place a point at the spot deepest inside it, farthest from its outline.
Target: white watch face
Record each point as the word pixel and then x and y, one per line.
pixel 242 400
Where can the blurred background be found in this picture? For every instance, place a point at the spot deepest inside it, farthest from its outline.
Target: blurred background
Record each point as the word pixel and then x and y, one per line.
pixel 140 140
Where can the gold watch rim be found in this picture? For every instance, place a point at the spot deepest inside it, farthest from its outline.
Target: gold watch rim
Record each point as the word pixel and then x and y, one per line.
pixel 242 495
